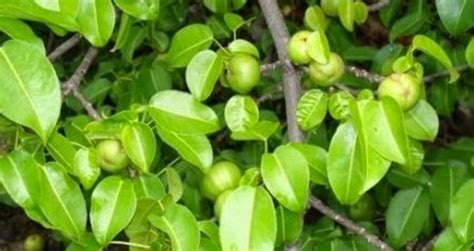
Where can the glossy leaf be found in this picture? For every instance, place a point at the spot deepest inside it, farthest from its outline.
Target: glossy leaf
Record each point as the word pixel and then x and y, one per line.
pixel 448 240
pixel 19 30
pixel 96 21
pixel 202 73
pixel 139 227
pixel 218 6
pixel 248 220
pixel 431 48
pixel 113 204
pixel 139 143
pixel 311 109
pixel 346 13
pixel 470 53
pixel 173 183
pixel 317 162
pixel 422 122
pixel 149 186
pixel 361 12
pixel 29 84
pixel 86 167
pixel 143 9
pixel 406 215
pixel 315 19
pixel 62 201
pixel 233 21
pixel 180 225
pixel 461 213
pixel 187 42
pixel 286 175
pixel 290 226
pixel 260 131
pixel 196 149
pixel 187 116
pixel 241 113
pixel 318 47
pixel 446 182
pixel 62 150
pixel 243 46
pixel 456 15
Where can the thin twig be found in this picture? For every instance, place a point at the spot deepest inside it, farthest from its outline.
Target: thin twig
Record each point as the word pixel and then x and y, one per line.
pixel 64 47
pixel 76 92
pixel 430 244
pixel 265 69
pixel 444 73
pixel 362 73
pixel 291 78
pixel 80 72
pixel 379 5
pixel 274 94
pixel 349 224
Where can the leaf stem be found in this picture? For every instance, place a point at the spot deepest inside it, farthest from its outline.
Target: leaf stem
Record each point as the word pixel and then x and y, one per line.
pixel 130 244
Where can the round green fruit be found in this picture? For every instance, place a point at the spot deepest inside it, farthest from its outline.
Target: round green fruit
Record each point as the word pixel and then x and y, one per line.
pixel 221 177
pixel 364 209
pixel 403 88
pixel 297 48
pixel 220 203
pixel 330 7
pixel 327 74
pixel 34 242
pixel 112 157
pixel 243 73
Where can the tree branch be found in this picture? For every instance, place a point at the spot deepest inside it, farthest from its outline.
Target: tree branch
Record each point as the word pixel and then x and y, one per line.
pixel 445 73
pixel 362 73
pixel 64 47
pixel 379 5
pixel 349 224
pixel 291 78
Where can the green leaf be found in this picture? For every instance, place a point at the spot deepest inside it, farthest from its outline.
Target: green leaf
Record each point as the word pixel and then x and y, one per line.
pixel 218 6
pixel 431 48
pixel 408 25
pixel 187 42
pixel 286 175
pixel 30 85
pixel 448 240
pixel 19 176
pixel 470 53
pixel 241 113
pixel 62 150
pixel 19 30
pixel 456 15
pixel 422 122
pixel 62 201
pixel 196 149
pixel 180 225
pixel 210 229
pixel 233 21
pixel 248 220
pixel 311 109
pixel 113 204
pixel 290 226
pixel 385 129
pixel 318 47
pixel 96 21
pixel 461 213
pixel 346 13
pixel 243 46
pixel 346 172
pixel 139 227
pixel 86 167
pixel 446 182
pixel 361 12
pixel 317 161
pixel 186 116
pixel 260 131
pixel 174 183
pixel 144 9
pixel 149 186
pixel 70 7
pixel 202 73
pixel 315 19
pixel 406 214
pixel 139 143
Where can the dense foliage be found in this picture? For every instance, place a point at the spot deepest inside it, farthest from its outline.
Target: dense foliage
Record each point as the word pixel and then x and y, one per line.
pixel 205 125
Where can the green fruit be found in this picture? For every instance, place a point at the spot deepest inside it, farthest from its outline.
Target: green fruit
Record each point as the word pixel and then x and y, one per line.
pixel 112 156
pixel 364 209
pixel 221 177
pixel 327 74
pixel 34 242
pixel 297 48
pixel 243 72
pixel 220 203
pixel 403 88
pixel 330 7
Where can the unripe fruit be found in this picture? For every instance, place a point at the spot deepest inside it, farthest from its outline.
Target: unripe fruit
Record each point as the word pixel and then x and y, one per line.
pixel 112 156
pixel 220 203
pixel 403 88
pixel 364 209
pixel 297 48
pixel 327 74
pixel 221 177
pixel 34 242
pixel 330 7
pixel 243 73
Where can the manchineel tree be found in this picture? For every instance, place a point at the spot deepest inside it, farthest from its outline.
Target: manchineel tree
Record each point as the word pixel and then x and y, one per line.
pixel 204 125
